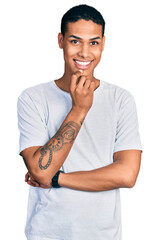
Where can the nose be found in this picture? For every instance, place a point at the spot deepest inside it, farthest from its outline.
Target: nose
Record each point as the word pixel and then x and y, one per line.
pixel 83 51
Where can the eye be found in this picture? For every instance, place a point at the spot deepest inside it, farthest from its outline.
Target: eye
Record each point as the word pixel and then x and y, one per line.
pixel 94 43
pixel 74 41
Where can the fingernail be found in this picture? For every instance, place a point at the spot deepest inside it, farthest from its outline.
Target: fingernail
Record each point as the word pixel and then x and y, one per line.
pixel 81 70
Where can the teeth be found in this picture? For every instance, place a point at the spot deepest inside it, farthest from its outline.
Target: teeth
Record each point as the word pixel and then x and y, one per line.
pixel 83 63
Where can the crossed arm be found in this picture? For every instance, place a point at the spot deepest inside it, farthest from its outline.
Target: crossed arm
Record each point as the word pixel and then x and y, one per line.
pixel 43 162
pixel 121 173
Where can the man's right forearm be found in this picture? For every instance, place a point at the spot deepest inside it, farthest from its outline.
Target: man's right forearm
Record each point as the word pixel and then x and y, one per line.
pixel 43 162
pixel 48 159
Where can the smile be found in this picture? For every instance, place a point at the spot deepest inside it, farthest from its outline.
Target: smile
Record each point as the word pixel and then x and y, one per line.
pixel 82 64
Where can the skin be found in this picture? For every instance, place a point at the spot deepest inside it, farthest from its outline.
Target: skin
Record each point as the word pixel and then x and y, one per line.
pixel 83 49
pixel 83 41
pixel 44 161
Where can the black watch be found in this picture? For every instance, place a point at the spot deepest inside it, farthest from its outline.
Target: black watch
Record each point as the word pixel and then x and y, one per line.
pixel 55 180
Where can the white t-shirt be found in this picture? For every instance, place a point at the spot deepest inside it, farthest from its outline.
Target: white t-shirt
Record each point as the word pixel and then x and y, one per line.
pixel 111 125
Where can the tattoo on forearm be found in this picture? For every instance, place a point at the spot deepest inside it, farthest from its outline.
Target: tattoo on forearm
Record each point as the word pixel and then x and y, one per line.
pixel 66 134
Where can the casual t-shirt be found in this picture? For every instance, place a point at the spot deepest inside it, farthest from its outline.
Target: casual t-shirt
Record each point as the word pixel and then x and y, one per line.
pixel 111 125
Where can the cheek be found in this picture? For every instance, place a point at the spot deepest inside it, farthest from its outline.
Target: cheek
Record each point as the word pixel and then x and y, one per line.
pixel 97 53
pixel 69 51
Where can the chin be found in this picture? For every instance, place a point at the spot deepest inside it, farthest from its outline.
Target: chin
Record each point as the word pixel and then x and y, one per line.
pixel 86 72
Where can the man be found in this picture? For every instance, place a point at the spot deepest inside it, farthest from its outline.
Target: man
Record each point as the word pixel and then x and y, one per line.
pixel 79 140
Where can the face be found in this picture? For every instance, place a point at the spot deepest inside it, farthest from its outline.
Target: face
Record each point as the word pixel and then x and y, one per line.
pixel 82 46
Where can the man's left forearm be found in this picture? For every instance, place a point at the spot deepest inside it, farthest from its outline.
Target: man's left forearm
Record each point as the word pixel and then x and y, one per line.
pixel 121 173
pixel 102 179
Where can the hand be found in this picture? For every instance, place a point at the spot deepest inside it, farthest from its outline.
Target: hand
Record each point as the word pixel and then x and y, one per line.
pixel 32 182
pixel 82 91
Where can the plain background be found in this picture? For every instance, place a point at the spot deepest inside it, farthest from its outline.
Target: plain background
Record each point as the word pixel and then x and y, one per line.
pixel 29 55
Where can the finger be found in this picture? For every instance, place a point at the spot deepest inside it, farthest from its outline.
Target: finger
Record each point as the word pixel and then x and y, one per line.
pixel 26 177
pixel 30 183
pixel 30 180
pixel 74 79
pixel 81 82
pixel 36 184
pixel 43 186
pixel 92 86
pixel 33 182
pixel 87 83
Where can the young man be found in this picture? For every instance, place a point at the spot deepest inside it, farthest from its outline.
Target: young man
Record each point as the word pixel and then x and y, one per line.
pixel 79 140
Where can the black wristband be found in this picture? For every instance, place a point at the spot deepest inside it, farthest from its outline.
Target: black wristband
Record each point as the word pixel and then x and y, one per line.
pixel 55 180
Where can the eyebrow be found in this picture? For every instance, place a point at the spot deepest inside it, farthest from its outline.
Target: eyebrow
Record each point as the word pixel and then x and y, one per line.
pixel 73 36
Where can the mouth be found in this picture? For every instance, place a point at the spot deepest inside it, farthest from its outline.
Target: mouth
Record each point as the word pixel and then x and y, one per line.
pixel 82 64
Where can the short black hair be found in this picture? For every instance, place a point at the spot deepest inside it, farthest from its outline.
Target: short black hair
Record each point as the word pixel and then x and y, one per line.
pixel 82 11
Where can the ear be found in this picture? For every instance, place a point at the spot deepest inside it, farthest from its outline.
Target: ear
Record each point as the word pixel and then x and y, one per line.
pixel 60 40
pixel 103 43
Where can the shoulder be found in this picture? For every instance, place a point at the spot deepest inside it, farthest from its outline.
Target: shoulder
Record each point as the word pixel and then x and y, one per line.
pixel 34 99
pixel 118 94
pixel 37 92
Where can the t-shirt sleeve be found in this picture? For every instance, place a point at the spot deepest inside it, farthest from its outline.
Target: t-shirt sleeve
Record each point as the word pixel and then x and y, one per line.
pixel 31 123
pixel 127 132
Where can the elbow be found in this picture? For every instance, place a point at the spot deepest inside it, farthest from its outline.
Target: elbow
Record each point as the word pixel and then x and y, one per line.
pixel 40 177
pixel 131 183
pixel 130 180
pixel 44 180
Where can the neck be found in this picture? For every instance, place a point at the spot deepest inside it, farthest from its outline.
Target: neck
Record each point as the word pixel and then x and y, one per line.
pixel 64 81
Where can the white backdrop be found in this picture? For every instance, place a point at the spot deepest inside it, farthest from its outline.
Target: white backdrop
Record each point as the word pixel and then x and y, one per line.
pixel 29 55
